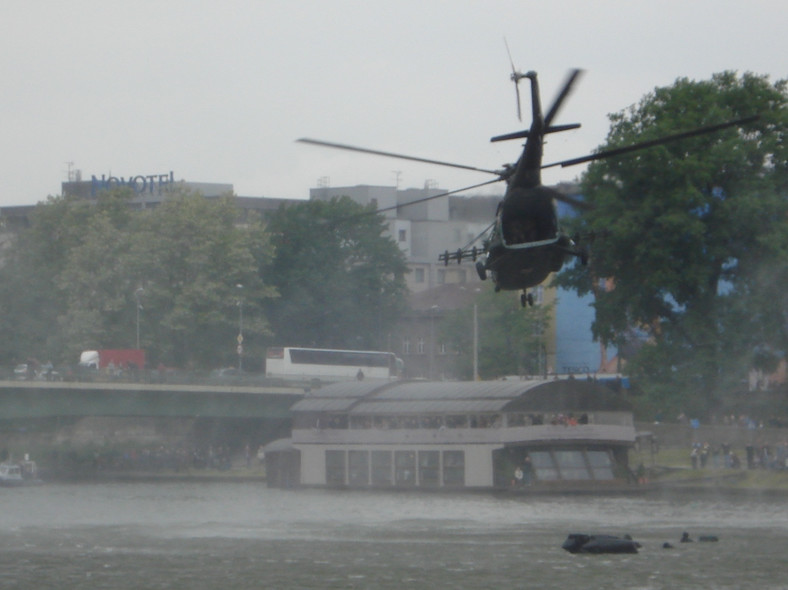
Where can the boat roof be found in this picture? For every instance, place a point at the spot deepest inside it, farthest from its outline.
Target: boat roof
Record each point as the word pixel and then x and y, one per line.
pixel 446 397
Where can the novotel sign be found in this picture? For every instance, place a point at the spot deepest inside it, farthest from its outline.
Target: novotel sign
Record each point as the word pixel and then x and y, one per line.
pixel 151 183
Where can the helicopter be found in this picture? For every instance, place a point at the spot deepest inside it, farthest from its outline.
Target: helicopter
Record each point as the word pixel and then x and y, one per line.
pixel 525 242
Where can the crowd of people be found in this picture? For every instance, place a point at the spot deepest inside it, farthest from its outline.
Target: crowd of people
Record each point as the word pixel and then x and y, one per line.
pixel 763 456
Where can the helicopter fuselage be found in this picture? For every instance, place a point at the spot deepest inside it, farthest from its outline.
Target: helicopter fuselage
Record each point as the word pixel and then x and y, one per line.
pixel 526 244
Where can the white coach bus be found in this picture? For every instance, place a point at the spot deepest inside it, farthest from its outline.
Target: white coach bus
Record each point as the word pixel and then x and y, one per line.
pixel 324 364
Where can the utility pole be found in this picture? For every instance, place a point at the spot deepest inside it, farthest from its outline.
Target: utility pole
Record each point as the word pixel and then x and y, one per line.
pixel 137 294
pixel 240 348
pixel 475 343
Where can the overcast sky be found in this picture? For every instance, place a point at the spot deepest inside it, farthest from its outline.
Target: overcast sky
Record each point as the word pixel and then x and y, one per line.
pixel 217 91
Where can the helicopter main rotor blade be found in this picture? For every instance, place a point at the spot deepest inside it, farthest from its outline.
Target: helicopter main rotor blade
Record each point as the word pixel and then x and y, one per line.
pixel 438 196
pixel 654 142
pixel 351 148
pixel 565 91
pixel 417 201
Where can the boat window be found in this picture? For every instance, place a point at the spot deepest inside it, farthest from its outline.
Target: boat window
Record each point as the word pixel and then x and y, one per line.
pixel 572 465
pixel 358 472
pixel 335 467
pixel 431 422
pixel 360 422
pixel 381 468
pixel 404 468
pixel 456 421
pixel 429 468
pixel 336 421
pixel 543 465
pixel 454 468
pixel 515 419
pixel 601 464
pixel 409 422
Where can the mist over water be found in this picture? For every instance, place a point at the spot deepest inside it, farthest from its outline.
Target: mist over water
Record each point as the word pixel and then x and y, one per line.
pixel 219 535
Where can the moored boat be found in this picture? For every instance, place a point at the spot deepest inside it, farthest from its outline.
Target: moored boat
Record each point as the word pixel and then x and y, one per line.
pixel 526 436
pixel 23 473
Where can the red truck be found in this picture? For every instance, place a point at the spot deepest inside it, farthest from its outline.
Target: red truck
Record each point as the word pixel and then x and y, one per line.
pixel 120 358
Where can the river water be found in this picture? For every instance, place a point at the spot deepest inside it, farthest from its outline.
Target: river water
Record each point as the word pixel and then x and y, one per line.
pixel 242 535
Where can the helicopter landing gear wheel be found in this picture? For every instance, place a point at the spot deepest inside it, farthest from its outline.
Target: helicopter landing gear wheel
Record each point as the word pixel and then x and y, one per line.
pixel 481 271
pixel 526 299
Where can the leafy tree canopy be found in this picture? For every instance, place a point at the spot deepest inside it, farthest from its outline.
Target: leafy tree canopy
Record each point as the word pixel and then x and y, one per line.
pixel 73 281
pixel 511 340
pixel 693 234
pixel 341 279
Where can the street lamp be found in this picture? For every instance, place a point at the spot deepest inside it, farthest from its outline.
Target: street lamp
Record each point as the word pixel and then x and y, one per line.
pixel 137 295
pixel 433 310
pixel 240 326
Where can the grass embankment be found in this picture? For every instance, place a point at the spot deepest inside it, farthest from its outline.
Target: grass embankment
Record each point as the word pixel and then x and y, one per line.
pixel 672 468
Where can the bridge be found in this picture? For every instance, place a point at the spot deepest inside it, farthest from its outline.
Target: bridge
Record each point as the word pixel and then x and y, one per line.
pixel 43 399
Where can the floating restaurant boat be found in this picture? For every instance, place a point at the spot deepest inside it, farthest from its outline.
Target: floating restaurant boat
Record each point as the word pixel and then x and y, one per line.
pixel 528 436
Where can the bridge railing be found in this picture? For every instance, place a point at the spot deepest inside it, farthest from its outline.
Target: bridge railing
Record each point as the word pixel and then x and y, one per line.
pixel 152 376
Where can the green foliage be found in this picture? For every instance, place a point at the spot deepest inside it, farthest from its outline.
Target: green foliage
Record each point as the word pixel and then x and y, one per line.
pixel 511 340
pixel 72 281
pixel 694 235
pixel 340 279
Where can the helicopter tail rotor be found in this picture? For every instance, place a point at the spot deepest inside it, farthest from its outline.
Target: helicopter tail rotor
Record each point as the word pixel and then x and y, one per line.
pixel 515 77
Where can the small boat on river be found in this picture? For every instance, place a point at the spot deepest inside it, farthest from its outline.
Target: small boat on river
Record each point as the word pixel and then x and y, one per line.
pixel 23 473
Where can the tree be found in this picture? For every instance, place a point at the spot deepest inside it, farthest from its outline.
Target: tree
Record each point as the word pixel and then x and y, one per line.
pixel 341 279
pixel 511 340
pixel 32 264
pixel 82 265
pixel 188 255
pixel 694 235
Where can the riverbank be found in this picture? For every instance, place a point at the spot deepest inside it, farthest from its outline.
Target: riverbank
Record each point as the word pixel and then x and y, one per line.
pixel 671 470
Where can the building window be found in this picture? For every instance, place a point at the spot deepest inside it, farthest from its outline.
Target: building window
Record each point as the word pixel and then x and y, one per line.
pixel 418 276
pixel 420 346
pixel 406 346
pixel 462 276
pixel 441 277
pixel 442 348
pixel 402 235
